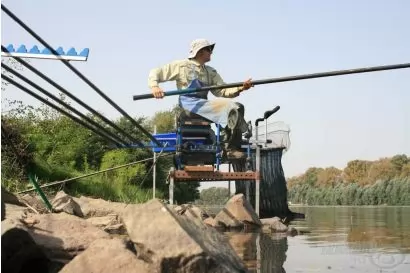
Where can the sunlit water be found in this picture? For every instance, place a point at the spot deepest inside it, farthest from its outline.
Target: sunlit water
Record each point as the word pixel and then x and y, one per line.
pixel 337 239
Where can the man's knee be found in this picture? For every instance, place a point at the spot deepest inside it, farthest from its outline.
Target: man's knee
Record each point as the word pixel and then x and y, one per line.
pixel 241 108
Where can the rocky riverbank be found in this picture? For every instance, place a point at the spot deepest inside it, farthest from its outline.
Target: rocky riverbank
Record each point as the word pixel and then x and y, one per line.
pixel 94 235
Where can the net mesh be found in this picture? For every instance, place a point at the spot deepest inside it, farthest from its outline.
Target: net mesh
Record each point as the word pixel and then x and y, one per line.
pixel 278 132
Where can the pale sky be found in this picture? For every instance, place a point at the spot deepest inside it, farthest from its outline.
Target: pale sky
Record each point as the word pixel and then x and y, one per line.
pixel 332 120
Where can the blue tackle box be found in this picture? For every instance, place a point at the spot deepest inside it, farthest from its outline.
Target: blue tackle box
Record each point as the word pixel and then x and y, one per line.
pixel 171 140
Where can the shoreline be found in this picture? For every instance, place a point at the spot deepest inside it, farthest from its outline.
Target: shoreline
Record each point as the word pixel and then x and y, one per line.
pixel 348 206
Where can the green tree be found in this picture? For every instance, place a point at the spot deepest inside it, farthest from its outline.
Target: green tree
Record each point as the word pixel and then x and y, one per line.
pixel 165 120
pixel 328 177
pixel 12 63
pixel 405 171
pixel 311 175
pixel 399 161
pixel 61 148
pixel 381 169
pixel 356 171
pixel 16 156
pixel 214 196
pixel 133 174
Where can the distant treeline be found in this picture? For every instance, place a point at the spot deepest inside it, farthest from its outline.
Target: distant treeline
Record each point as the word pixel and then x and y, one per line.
pixel 382 182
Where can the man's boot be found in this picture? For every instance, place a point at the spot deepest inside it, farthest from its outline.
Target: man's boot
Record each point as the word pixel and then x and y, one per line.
pixel 233 147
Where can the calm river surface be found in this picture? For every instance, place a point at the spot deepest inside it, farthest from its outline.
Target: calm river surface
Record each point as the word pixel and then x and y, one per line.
pixel 337 239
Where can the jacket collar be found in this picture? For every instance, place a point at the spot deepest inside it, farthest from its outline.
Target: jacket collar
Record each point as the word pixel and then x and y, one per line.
pixel 193 61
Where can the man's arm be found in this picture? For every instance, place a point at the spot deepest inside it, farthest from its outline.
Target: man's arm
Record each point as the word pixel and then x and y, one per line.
pixel 168 72
pixel 225 92
pixel 228 92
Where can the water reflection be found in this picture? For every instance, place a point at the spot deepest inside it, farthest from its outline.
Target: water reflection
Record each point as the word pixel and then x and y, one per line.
pixel 337 239
pixel 264 253
pixel 360 228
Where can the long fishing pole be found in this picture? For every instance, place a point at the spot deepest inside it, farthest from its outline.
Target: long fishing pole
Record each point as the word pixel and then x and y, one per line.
pixel 80 75
pixel 69 107
pixel 70 95
pixel 93 173
pixel 280 79
pixel 28 91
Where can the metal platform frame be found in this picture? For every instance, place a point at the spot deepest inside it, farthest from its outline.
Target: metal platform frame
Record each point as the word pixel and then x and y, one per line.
pixel 209 174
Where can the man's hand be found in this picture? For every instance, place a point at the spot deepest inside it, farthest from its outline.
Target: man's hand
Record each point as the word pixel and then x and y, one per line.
pixel 157 92
pixel 247 84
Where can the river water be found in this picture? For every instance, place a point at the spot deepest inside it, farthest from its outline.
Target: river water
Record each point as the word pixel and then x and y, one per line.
pixel 334 239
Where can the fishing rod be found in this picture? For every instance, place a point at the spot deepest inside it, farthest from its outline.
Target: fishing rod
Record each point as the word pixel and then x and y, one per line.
pixel 70 95
pixel 66 105
pixel 280 79
pixel 28 91
pixel 79 74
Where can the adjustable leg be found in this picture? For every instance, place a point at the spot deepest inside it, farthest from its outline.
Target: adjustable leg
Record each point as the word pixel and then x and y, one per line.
pixel 171 187
pixel 257 169
pixel 257 193
pixel 247 191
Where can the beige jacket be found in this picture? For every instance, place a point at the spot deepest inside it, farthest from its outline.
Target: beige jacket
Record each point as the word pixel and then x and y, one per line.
pixel 181 72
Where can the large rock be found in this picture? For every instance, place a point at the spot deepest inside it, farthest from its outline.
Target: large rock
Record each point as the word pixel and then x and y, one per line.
pixel 15 212
pixel 196 212
pixel 9 198
pixel 15 216
pixel 20 253
pixel 237 213
pixel 213 223
pixel 63 202
pixel 91 207
pixel 9 224
pixel 3 209
pixel 63 236
pixel 179 244
pixel 107 256
pixel 35 202
pixel 191 211
pixel 274 224
pixel 110 223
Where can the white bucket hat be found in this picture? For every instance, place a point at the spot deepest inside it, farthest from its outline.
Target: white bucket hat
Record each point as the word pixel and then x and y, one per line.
pixel 197 45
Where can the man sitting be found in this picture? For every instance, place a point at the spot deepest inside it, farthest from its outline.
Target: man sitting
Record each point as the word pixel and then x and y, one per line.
pixel 191 73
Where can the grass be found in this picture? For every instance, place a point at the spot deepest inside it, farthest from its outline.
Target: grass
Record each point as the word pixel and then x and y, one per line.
pixel 111 187
pixel 98 187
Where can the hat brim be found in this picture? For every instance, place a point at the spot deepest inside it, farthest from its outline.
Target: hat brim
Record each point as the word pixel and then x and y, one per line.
pixel 211 46
pixel 193 54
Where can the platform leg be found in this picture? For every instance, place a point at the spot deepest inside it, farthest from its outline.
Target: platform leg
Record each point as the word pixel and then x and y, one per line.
pixel 258 253
pixel 257 180
pixel 247 191
pixel 229 182
pixel 171 190
pixel 257 191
